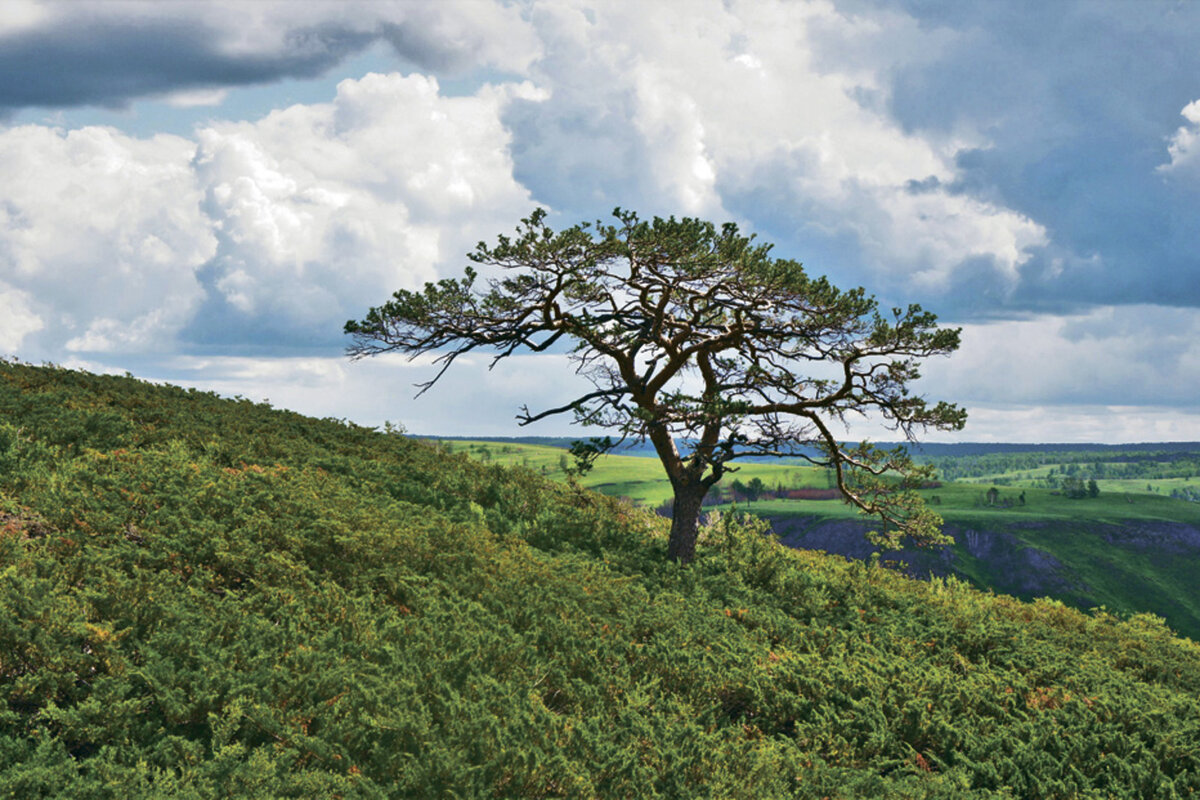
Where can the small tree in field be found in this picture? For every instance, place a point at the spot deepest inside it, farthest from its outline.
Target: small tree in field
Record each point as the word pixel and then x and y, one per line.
pixel 697 339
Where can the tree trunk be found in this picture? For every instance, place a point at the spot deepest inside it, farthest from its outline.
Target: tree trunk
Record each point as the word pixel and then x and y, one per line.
pixel 685 523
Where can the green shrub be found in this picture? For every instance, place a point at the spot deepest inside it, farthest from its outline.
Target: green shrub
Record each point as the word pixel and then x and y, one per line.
pixel 225 600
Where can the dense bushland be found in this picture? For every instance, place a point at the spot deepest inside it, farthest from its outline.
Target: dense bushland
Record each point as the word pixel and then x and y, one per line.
pixel 203 598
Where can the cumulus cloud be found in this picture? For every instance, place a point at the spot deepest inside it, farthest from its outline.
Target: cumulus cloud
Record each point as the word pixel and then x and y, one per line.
pixel 101 235
pixel 972 157
pixel 271 232
pixel 740 110
pixel 324 209
pixel 68 53
pixel 1184 147
pixel 1075 100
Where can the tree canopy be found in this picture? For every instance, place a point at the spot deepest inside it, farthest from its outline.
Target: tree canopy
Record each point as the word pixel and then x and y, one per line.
pixel 695 338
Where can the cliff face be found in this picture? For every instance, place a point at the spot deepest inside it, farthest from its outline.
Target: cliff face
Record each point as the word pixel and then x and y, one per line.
pixel 1164 538
pixel 1143 565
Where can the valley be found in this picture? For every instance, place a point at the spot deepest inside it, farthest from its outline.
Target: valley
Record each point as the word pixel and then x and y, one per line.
pixel 1131 549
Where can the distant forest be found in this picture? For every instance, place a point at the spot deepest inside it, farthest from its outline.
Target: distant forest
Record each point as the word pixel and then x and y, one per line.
pixel 929 449
pixel 1147 461
pixel 1099 464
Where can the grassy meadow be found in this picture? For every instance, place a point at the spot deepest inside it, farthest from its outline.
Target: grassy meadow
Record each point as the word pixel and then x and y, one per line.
pixel 639 478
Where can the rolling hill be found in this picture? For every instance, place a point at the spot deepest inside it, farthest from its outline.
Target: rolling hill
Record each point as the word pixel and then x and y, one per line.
pixel 203 597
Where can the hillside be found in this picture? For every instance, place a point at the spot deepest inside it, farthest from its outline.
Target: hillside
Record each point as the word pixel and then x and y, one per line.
pixel 1125 565
pixel 1129 549
pixel 1128 553
pixel 202 598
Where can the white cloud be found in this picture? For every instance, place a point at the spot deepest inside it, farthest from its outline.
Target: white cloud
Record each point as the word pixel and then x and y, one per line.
pixel 777 111
pixel 324 208
pixel 1184 147
pixel 471 401
pixel 293 222
pixel 20 15
pixel 17 320
pixel 459 31
pixel 758 99
pixel 1114 355
pixel 138 333
pixel 1109 424
pixel 103 233
pixel 468 400
pixel 196 97
pixel 94 367
pixel 683 166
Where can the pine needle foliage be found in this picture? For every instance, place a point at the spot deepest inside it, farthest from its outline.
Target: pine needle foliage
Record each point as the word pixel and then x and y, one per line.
pixel 695 335
pixel 210 598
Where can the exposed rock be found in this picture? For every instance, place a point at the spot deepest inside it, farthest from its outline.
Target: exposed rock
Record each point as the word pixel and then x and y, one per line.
pixel 1171 538
pixel 848 538
pixel 1016 567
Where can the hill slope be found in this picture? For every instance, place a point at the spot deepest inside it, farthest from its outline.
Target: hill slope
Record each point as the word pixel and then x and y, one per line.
pixel 205 598
pixel 1129 552
pixel 1124 565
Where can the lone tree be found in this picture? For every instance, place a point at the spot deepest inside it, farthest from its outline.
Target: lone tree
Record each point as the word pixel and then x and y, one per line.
pixel 697 339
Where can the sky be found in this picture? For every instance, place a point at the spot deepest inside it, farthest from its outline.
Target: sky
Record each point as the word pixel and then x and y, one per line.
pixel 203 193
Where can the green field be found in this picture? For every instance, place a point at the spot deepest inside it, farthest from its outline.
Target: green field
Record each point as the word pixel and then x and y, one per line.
pixel 1024 479
pixel 642 479
pixel 638 478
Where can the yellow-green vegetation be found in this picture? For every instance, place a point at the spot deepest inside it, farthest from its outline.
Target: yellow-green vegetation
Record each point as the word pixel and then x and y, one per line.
pixel 642 480
pixel 1026 479
pixel 208 598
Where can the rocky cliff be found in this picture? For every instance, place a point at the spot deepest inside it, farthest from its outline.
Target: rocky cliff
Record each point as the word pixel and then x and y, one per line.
pixel 1135 567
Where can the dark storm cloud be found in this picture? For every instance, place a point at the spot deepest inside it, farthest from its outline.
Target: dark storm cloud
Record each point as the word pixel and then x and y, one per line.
pixel 109 54
pixel 1077 101
pixel 109 63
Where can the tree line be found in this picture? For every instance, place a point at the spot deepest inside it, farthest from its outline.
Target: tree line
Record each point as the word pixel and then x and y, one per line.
pixel 1054 466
